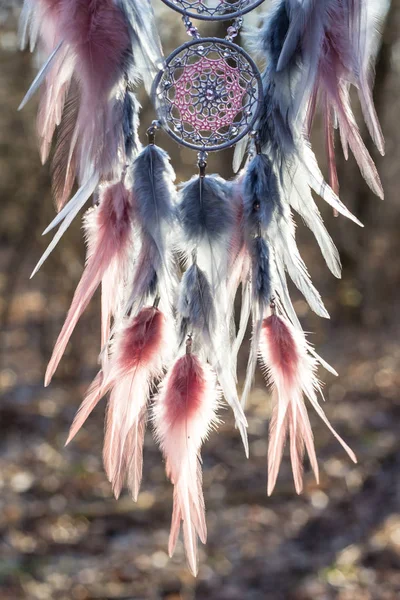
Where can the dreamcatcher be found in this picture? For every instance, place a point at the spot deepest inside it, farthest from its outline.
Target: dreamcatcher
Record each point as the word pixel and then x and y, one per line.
pixel 169 343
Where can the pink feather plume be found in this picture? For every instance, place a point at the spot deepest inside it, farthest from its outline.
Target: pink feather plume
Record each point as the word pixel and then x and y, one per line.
pixel 184 413
pixel 108 228
pixel 140 354
pixel 291 372
pixel 81 88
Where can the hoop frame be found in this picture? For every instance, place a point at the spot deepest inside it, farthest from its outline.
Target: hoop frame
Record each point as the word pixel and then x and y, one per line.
pixel 161 113
pixel 195 15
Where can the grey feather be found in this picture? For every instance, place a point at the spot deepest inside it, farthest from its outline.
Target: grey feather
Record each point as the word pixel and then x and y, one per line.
pixel 195 305
pixel 261 277
pixel 261 298
pixel 130 125
pixel 154 194
pixel 204 209
pixel 261 198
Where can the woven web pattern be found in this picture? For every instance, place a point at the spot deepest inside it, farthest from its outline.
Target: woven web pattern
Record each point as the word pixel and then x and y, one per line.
pixel 208 94
pixel 213 8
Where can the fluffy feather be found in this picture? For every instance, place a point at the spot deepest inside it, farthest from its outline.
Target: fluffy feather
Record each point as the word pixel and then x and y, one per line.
pixel 95 48
pixel 195 304
pixel 142 349
pixel 207 217
pixel 197 314
pixel 154 198
pixel 331 37
pixel 261 197
pixel 108 229
pixel 184 413
pixel 291 372
pixel 154 194
pixel 204 210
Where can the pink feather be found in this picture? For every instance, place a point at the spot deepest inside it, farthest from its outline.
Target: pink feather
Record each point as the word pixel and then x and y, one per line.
pixel 331 84
pixel 184 413
pixel 95 45
pixel 92 398
pixel 141 351
pixel 291 372
pixel 108 229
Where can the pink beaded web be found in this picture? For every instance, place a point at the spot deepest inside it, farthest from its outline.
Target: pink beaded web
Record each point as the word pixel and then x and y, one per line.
pixel 208 94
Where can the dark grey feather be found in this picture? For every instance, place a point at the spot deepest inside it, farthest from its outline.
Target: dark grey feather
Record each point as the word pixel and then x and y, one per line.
pixel 195 305
pixel 261 198
pixel 261 272
pixel 130 125
pixel 275 132
pixel 204 209
pixel 274 32
pixel 274 126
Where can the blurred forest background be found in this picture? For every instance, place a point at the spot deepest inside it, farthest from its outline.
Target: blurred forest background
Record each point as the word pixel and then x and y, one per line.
pixel 63 536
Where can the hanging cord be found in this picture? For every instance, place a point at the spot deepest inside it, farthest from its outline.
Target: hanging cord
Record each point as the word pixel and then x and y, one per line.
pixel 151 132
pixel 191 29
pixel 202 163
pixel 234 29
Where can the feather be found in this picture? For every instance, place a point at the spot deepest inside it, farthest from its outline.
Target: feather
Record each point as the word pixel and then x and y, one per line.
pixel 330 38
pixel 290 370
pixel 145 41
pixel 261 292
pixel 261 197
pixel 195 304
pixel 92 398
pixel 265 214
pixel 282 237
pixel 71 210
pixel 282 131
pixel 309 168
pixel 154 197
pixel 207 217
pixel 91 49
pixel 141 350
pixel 146 275
pixel 154 194
pixel 108 229
pixel 197 314
pixel 63 165
pixel 184 414
pixel 130 125
pixel 203 209
pixel 37 82
pixel 139 358
pixel 298 193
